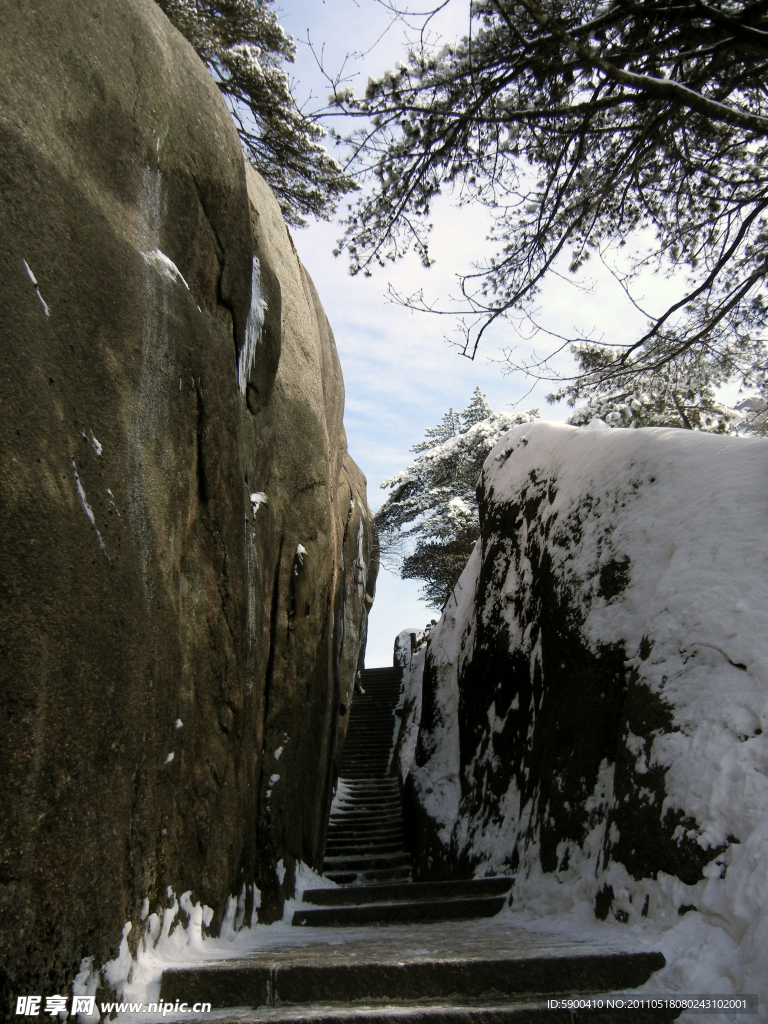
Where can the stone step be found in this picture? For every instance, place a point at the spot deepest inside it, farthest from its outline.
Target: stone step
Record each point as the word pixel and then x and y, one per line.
pixel 358 790
pixel 364 825
pixel 365 748
pixel 358 879
pixel 365 830
pixel 367 774
pixel 360 737
pixel 372 758
pixel 273 981
pixel 362 815
pixel 368 804
pixel 384 800
pixel 365 819
pixel 388 702
pixel 373 718
pixel 350 758
pixel 368 810
pixel 364 752
pixel 375 763
pixel 372 712
pixel 359 741
pixel 363 849
pixel 365 814
pixel 373 696
pixel 413 912
pixel 389 695
pixel 363 774
pixel 363 707
pixel 378 723
pixel 372 833
pixel 372 745
pixel 375 785
pixel 380 732
pixel 359 744
pixel 362 863
pixel 421 891
pixel 363 845
pixel 383 698
pixel 382 729
pixel 376 695
pixel 383 789
pixel 368 743
pixel 365 833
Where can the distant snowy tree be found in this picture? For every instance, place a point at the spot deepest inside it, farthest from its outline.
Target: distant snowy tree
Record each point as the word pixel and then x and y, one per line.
pixel 243 45
pixel 429 523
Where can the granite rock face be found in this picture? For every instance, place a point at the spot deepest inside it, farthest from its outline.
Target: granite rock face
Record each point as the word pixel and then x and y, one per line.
pixel 588 714
pixel 186 544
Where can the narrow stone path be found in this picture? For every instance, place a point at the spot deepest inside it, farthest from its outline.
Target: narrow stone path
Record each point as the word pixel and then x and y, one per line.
pixel 344 968
pixel 365 833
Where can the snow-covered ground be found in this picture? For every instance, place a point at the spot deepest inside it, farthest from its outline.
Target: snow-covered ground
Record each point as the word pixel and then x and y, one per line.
pixel 698 954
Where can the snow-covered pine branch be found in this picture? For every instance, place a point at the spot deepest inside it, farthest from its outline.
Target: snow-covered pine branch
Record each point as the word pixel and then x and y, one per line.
pixel 673 397
pixel 245 48
pixel 583 126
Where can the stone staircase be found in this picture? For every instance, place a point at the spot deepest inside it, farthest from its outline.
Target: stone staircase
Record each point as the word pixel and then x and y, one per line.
pixel 365 832
pixel 365 851
pixel 419 968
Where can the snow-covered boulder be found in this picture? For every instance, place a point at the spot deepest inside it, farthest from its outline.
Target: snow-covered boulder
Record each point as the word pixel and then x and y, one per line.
pixel 592 705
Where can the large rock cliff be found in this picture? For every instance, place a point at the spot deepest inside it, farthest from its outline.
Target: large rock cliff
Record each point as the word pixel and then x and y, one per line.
pixel 590 712
pixel 185 543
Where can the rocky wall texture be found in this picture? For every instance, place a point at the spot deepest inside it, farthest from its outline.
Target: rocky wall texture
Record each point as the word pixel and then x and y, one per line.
pixel 589 712
pixel 185 543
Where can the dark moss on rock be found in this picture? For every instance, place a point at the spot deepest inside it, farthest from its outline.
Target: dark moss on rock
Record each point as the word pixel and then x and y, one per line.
pixel 555 727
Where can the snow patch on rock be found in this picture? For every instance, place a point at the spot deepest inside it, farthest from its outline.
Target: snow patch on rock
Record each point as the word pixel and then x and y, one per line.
pixel 164 266
pixel 253 327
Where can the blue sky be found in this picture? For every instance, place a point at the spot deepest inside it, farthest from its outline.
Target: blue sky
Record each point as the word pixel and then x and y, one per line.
pixel 399 373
